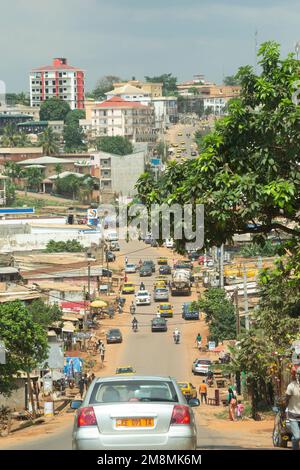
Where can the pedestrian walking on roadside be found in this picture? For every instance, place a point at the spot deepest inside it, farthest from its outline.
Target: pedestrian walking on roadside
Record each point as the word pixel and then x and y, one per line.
pixel 232 402
pixel 86 381
pixel 81 386
pixel 293 408
pixel 203 392
pixel 239 410
pixel 126 261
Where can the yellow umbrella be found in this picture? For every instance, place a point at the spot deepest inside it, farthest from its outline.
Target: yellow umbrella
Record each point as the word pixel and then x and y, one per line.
pixel 98 304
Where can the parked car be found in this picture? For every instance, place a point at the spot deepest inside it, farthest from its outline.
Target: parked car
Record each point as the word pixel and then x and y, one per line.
pixel 127 370
pixel 162 260
pixel 188 390
pixel 114 336
pixel 161 294
pixel 159 324
pixel 114 246
pixel 110 256
pixel 130 268
pixel 145 271
pixel 194 154
pixel 135 413
pixel 189 312
pixel 166 269
pixel 149 263
pixel 193 255
pixel 112 237
pixel 142 297
pixel 201 366
pixel 169 243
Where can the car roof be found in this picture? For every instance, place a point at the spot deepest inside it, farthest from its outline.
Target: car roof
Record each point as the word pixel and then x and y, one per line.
pixel 134 378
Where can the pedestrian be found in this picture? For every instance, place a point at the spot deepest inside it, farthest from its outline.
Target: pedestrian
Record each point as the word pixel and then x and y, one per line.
pixel 81 386
pixel 293 408
pixel 232 402
pixel 86 381
pixel 203 392
pixel 93 377
pixel 239 410
pixel 126 261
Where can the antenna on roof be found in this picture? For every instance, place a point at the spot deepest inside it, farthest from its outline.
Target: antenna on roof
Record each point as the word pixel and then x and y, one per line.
pixel 255 50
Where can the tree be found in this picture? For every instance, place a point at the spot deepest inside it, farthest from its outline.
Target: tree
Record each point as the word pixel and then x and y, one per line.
pixel 104 85
pixel 194 91
pixel 54 109
pixel 10 192
pixel 71 246
pixel 86 188
pixel 220 315
pixel 48 140
pixel 58 168
pixel 43 314
pixel 34 178
pixel 18 98
pixel 73 137
pixel 247 175
pixel 13 170
pixel 169 83
pixel 9 136
pixel 116 145
pixel 68 186
pixel 74 116
pixel 26 344
pixel 231 80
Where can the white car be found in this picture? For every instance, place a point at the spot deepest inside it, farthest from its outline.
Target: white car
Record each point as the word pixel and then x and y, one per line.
pixel 201 366
pixel 169 243
pixel 142 297
pixel 130 268
pixel 112 237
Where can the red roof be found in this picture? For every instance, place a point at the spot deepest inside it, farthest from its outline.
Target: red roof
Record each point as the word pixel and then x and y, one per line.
pixel 118 102
pixel 56 67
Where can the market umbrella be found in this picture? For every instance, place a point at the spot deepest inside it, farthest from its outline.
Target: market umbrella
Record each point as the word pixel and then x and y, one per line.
pixel 98 304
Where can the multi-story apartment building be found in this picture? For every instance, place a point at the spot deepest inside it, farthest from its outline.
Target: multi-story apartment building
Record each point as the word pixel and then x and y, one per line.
pixel 152 89
pixel 118 117
pixel 58 80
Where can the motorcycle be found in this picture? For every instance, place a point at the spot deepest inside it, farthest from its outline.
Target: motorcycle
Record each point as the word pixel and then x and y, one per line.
pixel 281 432
pixel 132 309
pixel 176 339
pixel 134 327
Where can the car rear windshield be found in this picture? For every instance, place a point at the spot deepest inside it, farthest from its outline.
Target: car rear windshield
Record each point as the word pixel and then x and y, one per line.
pixel 114 332
pixel 133 391
pixel 162 291
pixel 165 307
pixel 204 361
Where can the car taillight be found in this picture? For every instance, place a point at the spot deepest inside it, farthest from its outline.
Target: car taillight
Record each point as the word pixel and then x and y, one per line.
pixel 86 417
pixel 181 415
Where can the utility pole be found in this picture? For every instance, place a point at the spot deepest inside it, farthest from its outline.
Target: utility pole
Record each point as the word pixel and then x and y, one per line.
pixel 246 305
pixel 221 266
pixel 236 304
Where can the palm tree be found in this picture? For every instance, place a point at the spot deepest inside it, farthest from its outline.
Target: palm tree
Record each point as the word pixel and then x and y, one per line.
pixel 58 168
pixel 9 137
pixel 13 170
pixel 86 187
pixel 48 140
pixel 34 178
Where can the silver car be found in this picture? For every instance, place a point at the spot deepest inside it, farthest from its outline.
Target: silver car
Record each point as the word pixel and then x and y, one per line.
pixel 161 295
pixel 135 412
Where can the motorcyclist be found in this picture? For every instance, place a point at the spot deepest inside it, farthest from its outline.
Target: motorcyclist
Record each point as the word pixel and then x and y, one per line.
pixel 176 335
pixel 293 408
pixel 142 286
pixel 134 324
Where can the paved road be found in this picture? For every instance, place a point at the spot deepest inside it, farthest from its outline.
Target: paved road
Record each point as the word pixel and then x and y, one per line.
pixel 148 353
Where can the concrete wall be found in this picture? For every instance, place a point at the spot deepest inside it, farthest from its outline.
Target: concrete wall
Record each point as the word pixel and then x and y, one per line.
pixel 36 220
pixel 125 171
pixel 17 399
pixel 38 241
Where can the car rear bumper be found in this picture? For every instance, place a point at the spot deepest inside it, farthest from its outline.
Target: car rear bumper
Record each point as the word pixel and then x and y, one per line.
pixel 93 440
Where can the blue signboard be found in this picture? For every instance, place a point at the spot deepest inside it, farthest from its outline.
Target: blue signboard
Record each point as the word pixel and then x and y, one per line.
pixel 155 161
pixel 17 210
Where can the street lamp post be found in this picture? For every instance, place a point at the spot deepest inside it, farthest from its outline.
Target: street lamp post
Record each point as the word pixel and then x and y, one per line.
pixel 297 49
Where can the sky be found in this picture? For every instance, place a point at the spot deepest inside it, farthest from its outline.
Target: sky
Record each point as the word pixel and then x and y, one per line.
pixel 139 37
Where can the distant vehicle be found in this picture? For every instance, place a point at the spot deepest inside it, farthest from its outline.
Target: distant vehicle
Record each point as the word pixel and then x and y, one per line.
pixel 181 282
pixel 162 261
pixel 128 288
pixel 142 297
pixel 112 237
pixel 134 413
pixel 169 243
pixel 194 154
pixel 114 246
pixel 114 336
pixel 188 390
pixel 193 255
pixel 148 238
pixel 130 268
pixel 110 256
pixel 149 263
pixel 82 221
pixel 183 264
pixel 154 243
pixel 166 310
pixel 128 370
pixel 159 324
pixel 161 294
pixel 166 269
pixel 146 270
pixel 189 313
pixel 179 134
pixel 201 366
pixel 106 272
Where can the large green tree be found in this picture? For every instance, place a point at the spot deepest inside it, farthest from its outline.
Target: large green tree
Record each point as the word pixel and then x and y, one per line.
pixel 54 109
pixel 116 144
pixel 25 342
pixel 34 178
pixel 104 85
pixel 73 138
pixel 247 174
pixel 48 140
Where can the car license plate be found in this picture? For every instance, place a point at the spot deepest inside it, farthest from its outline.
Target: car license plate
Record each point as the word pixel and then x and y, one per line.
pixel 135 423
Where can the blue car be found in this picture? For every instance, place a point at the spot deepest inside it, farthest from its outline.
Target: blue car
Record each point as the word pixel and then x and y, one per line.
pixel 165 269
pixel 188 313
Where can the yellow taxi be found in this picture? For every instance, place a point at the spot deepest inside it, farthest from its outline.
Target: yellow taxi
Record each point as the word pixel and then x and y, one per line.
pixel 166 310
pixel 159 284
pixel 162 261
pixel 128 288
pixel 175 145
pixel 182 143
pixel 179 134
pixel 126 370
pixel 188 390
